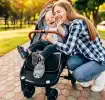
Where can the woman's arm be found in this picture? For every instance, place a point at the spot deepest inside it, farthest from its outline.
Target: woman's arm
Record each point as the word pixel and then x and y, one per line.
pixel 67 48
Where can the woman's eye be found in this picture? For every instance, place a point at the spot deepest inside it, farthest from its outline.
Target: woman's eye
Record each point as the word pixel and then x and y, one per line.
pixel 58 11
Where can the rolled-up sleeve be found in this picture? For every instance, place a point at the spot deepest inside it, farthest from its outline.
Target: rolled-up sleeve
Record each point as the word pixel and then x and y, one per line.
pixel 68 47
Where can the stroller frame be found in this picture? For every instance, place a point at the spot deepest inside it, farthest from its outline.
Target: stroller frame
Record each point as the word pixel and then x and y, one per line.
pixel 27 83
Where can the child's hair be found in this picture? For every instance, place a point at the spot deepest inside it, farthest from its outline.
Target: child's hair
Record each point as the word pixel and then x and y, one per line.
pixel 72 14
pixel 48 9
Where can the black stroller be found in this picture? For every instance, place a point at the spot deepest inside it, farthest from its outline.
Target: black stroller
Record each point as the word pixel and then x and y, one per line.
pixel 54 65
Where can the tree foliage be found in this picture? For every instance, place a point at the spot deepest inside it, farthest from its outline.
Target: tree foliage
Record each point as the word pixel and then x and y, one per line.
pixel 20 9
pixel 89 7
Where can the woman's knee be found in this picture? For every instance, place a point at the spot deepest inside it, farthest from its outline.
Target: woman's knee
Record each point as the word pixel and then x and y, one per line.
pixel 79 76
pixel 71 63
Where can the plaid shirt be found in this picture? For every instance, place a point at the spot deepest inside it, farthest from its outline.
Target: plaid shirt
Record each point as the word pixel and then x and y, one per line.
pixel 78 42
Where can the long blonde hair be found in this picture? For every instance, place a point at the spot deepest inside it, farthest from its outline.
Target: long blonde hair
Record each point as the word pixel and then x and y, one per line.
pixel 72 14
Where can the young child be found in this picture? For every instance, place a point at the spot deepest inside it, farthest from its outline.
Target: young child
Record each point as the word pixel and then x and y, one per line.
pixel 46 47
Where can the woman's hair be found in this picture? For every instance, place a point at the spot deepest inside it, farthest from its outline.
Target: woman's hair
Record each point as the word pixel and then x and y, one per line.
pixel 71 2
pixel 72 14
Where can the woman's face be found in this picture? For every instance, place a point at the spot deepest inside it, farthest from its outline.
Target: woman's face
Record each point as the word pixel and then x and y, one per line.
pixel 60 14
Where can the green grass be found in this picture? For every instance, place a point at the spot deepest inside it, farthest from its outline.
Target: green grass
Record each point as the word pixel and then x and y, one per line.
pixel 102 34
pixel 2 27
pixel 10 42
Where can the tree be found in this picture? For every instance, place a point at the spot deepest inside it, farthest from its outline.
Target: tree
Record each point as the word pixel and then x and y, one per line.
pixel 17 9
pixel 4 10
pixel 37 6
pixel 26 8
pixel 1 7
pixel 81 6
pixel 88 7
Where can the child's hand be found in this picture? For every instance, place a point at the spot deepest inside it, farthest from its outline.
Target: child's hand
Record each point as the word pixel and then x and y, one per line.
pixel 44 37
pixel 51 39
pixel 49 36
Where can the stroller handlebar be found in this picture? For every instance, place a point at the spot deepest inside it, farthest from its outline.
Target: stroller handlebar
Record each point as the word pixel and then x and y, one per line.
pixel 45 31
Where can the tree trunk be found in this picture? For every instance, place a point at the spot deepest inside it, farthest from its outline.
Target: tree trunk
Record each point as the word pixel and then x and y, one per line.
pixel 34 16
pixel 95 19
pixel 14 22
pixel 5 23
pixel 21 19
pixel 20 23
pixel 95 16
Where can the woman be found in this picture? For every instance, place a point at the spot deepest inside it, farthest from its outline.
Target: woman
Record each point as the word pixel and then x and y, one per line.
pixel 83 46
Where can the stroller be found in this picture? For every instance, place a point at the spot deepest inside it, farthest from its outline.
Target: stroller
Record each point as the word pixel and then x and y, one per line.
pixel 54 65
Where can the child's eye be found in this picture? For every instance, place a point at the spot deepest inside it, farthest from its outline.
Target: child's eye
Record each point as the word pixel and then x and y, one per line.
pixel 52 17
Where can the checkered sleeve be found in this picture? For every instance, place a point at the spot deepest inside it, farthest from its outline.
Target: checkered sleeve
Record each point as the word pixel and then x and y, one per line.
pixel 74 30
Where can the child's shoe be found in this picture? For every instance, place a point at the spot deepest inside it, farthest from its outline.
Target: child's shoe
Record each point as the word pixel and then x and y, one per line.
pixel 21 51
pixel 39 69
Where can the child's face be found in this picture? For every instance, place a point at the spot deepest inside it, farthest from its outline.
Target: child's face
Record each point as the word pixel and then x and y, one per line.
pixel 50 20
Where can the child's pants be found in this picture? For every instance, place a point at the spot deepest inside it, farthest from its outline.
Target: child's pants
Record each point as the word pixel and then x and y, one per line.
pixel 46 47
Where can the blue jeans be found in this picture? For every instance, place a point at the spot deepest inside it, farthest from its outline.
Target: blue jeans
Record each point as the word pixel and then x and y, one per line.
pixel 83 69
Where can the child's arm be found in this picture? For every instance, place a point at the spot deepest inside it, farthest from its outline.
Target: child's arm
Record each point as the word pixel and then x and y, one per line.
pixel 49 34
pixel 44 37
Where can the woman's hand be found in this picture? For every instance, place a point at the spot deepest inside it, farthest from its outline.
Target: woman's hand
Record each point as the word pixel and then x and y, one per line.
pixel 44 37
pixel 59 22
pixel 50 39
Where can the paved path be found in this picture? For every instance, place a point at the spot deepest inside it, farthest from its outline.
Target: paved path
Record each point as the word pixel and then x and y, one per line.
pixel 10 65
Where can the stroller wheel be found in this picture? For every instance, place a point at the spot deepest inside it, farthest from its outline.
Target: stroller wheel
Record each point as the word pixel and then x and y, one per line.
pixel 53 94
pixel 29 91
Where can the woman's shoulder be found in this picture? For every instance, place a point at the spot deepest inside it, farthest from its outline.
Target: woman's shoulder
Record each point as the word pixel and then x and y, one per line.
pixel 78 21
